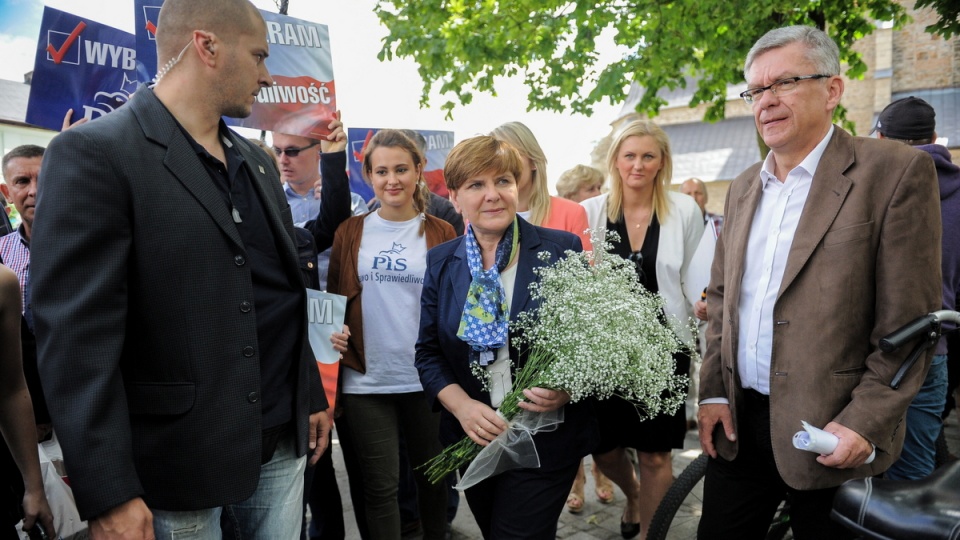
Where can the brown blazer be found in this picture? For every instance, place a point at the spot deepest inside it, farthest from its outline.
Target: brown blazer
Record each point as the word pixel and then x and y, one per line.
pixel 864 261
pixel 342 278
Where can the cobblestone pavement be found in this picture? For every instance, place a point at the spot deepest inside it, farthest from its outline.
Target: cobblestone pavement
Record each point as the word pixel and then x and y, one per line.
pixel 597 521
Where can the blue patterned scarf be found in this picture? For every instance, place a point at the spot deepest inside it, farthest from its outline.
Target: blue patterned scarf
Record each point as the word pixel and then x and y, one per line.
pixel 485 318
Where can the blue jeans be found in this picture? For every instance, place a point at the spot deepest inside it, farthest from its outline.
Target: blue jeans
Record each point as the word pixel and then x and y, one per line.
pixel 918 458
pixel 273 511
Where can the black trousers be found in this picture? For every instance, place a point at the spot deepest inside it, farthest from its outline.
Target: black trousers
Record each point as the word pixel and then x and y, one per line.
pixel 321 492
pixel 521 503
pixel 741 496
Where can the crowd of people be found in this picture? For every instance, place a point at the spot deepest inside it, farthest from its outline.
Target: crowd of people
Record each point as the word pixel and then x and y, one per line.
pixel 164 340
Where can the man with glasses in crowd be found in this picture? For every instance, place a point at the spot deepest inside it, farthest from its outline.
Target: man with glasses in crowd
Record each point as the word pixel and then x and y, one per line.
pixel 299 162
pixel 829 244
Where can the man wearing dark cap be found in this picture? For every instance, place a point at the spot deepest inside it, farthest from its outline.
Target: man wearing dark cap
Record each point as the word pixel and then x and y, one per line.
pixel 912 121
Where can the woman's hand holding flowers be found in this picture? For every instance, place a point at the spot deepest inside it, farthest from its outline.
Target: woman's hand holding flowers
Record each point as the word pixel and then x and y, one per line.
pixel 479 421
pixel 543 399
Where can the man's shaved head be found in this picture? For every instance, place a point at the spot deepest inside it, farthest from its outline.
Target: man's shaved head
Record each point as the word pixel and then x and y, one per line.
pixel 179 18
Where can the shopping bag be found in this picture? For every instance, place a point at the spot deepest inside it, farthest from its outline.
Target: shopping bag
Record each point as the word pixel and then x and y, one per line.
pixel 66 518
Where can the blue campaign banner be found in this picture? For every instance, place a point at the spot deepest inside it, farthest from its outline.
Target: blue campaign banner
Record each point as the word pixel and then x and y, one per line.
pixel 145 17
pixel 303 99
pixel 439 144
pixel 81 65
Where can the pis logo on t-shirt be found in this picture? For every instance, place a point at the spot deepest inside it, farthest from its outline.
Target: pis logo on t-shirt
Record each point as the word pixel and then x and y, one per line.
pixel 388 260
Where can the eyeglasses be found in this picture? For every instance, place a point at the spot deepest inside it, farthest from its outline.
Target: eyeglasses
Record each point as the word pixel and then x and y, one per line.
pixel 778 88
pixel 637 259
pixel 293 151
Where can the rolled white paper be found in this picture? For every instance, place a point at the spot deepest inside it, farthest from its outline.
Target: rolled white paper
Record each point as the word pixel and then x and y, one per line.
pixel 816 440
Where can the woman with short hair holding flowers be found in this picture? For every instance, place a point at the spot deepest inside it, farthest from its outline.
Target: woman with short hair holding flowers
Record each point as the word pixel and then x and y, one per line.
pixel 474 287
pixel 659 231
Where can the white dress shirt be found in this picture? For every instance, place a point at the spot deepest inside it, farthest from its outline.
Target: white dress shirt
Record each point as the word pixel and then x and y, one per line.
pixel 771 236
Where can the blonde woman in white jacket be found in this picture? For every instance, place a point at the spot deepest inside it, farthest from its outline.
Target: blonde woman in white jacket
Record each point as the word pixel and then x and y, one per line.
pixel 659 231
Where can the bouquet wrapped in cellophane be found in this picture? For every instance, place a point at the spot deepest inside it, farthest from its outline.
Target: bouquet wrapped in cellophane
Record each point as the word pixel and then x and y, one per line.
pixel 596 333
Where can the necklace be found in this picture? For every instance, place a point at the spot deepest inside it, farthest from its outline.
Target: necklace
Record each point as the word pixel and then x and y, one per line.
pixel 644 218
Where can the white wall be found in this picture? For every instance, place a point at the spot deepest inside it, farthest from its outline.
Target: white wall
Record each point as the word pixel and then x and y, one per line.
pixel 13 136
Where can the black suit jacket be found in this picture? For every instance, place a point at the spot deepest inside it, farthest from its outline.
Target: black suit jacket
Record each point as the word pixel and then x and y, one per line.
pixel 443 359
pixel 141 292
pixel 442 208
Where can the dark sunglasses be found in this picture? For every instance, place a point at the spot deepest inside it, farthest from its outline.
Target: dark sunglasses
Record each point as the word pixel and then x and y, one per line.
pixel 637 259
pixel 292 152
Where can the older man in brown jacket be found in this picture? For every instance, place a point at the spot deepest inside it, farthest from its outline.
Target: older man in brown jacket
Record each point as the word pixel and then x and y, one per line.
pixel 829 244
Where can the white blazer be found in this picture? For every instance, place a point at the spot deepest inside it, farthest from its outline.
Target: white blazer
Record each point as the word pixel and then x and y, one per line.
pixel 679 236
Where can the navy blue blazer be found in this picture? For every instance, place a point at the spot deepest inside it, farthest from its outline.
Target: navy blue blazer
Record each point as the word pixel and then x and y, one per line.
pixel 443 359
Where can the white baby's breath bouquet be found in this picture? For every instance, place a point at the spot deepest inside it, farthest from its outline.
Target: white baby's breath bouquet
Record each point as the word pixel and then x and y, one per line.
pixel 596 333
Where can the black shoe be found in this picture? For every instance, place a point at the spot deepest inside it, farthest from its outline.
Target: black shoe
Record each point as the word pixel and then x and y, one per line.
pixel 887 509
pixel 629 530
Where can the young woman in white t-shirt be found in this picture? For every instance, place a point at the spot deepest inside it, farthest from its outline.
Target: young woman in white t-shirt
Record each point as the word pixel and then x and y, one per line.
pixel 378 263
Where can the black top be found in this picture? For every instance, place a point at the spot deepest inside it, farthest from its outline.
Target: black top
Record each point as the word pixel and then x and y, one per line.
pixel 620 426
pixel 276 298
pixel 647 271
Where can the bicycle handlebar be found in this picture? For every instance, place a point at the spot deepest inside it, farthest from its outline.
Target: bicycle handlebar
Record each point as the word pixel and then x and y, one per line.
pixel 918 327
pixel 928 325
pixel 908 332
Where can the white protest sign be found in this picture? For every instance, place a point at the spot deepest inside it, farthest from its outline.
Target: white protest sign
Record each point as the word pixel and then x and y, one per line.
pixel 325 314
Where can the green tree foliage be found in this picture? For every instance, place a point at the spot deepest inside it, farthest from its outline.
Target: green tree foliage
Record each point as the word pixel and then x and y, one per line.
pixel 949 12
pixel 462 46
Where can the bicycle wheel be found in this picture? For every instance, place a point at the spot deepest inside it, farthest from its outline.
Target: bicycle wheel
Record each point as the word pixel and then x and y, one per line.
pixel 679 510
pixel 780 526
